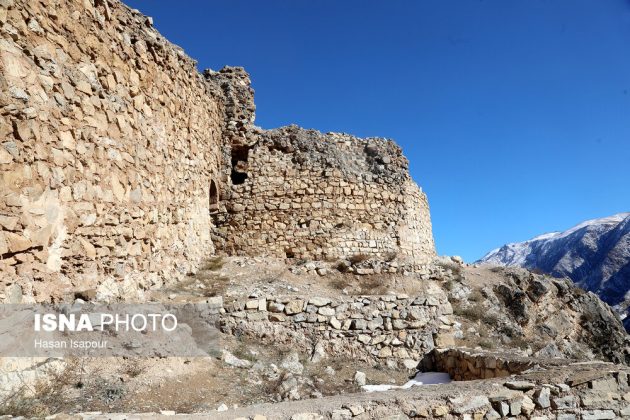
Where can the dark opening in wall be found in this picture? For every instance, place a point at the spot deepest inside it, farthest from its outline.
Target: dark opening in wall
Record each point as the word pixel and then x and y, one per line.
pixel 214 197
pixel 238 177
pixel 240 155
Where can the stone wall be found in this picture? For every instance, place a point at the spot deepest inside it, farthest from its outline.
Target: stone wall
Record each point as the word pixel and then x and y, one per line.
pixel 110 141
pixel 122 166
pixel 398 330
pixel 466 365
pixel 299 193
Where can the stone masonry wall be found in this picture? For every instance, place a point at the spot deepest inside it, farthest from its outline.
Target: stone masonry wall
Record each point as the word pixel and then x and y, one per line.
pixel 302 194
pixel 397 330
pixel 110 139
pixel 465 365
pixel 122 166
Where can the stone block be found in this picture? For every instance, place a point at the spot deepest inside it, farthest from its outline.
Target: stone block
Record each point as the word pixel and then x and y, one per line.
pixel 598 414
pixel 604 385
pixel 277 317
pixel 359 324
pixel 251 304
pixel 564 403
pixel 215 302
pixel 16 242
pixel 341 414
pixel 326 311
pixel 257 316
pixel 519 385
pixel 462 405
pixel 542 398
pixel 440 411
pixel 294 306
pixel 319 301
pixel 334 322
pixel 301 317
pixel 516 406
pixel 275 307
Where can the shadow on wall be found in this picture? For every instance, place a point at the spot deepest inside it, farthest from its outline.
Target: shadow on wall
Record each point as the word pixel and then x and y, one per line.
pixel 214 197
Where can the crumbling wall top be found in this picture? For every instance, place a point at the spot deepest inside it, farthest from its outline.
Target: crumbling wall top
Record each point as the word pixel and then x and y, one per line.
pixel 370 159
pixel 236 86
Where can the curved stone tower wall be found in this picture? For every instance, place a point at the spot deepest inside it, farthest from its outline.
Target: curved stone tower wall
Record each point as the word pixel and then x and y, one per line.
pixel 302 194
pixel 110 139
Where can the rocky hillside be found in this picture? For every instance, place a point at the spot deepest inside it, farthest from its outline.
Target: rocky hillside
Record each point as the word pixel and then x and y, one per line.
pixel 513 308
pixel 594 254
pixel 308 338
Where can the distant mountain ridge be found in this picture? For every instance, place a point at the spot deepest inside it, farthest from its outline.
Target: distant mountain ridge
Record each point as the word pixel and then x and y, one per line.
pixel 595 254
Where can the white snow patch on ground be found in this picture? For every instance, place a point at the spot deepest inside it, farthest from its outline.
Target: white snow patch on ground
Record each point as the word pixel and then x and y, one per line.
pixel 421 378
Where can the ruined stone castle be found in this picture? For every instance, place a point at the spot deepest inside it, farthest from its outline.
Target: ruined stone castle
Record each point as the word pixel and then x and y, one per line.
pixel 120 162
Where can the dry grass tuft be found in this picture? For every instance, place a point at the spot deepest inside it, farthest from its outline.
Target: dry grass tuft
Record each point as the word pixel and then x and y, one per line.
pixel 358 258
pixel 213 264
pixel 363 285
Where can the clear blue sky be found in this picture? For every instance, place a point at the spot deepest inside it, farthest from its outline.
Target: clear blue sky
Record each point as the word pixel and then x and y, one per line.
pixel 515 115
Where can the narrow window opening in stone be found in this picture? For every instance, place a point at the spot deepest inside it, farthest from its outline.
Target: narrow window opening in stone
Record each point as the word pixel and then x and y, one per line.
pixel 214 197
pixel 240 155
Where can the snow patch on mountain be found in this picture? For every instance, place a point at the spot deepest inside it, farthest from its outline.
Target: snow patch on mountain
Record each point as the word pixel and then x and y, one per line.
pixel 595 254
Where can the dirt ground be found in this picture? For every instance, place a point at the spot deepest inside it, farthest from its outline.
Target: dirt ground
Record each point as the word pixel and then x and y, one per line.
pixel 153 385
pixel 236 277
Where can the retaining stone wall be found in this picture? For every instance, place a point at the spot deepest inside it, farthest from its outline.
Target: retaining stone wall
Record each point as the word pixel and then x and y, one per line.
pixel 388 328
pixel 465 365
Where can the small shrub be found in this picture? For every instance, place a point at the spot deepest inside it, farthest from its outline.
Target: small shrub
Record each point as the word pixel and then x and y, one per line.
pixel 213 264
pixel 216 286
pixel 342 266
pixel 274 386
pixel 340 283
pixel 133 368
pixel 448 285
pixel 372 286
pixel 365 285
pixel 475 296
pixel 390 256
pixel 242 352
pixel 472 313
pixel 457 271
pixel 476 313
pixel 490 319
pixel 453 267
pixel 45 397
pixel 358 258
pixel 520 342
pixel 485 344
pixel 112 393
